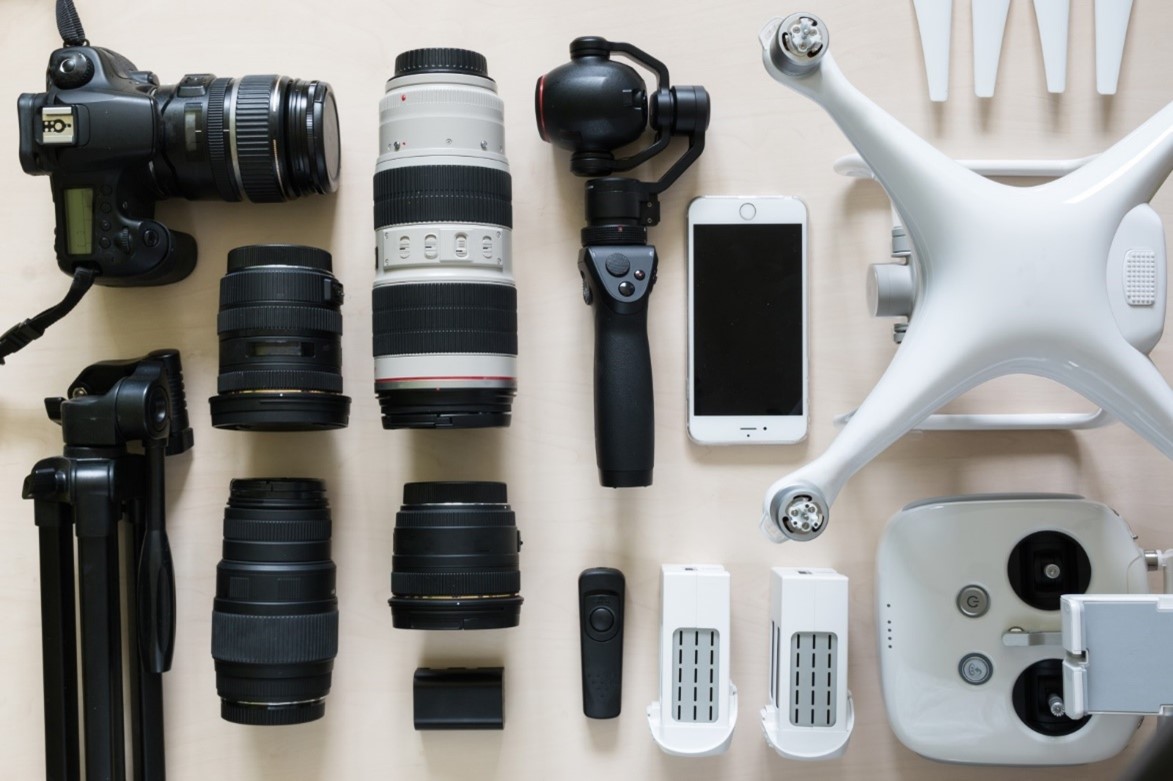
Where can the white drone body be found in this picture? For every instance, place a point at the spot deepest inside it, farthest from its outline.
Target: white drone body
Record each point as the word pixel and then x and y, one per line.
pixel 1006 280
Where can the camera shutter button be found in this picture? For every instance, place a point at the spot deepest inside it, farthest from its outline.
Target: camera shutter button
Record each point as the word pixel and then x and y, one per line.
pixel 602 619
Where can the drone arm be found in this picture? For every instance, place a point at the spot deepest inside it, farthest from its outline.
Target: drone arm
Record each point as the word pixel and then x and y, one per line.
pixel 922 181
pixel 930 369
pixel 1130 172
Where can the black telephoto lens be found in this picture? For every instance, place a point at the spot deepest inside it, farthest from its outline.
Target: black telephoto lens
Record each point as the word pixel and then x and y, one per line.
pixel 275 619
pixel 455 564
pixel 266 138
pixel 280 327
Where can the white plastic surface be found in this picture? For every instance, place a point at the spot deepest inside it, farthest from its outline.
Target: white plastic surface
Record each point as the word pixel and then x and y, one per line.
pixel 1002 269
pixel 1111 31
pixel 927 555
pixel 1053 17
pixel 934 18
pixel 806 600
pixel 694 597
pixel 989 25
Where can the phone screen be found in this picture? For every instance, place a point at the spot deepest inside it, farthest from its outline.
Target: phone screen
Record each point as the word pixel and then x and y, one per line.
pixel 747 319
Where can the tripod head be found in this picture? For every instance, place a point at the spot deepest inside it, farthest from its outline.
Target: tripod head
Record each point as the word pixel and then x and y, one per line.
pixel 112 403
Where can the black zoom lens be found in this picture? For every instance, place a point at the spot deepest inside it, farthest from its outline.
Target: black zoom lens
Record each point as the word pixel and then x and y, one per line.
pixel 275 620
pixel 280 327
pixel 268 138
pixel 455 560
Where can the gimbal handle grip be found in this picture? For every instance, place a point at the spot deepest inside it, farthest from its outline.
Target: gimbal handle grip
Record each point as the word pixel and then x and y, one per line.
pixel 624 411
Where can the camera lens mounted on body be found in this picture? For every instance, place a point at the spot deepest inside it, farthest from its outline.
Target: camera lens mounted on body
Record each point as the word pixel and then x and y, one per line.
pixel 444 302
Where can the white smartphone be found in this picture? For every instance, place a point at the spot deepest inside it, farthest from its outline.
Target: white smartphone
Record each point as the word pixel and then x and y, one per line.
pixel 747 320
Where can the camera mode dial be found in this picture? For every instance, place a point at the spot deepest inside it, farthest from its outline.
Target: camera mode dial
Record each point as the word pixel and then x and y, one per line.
pixel 70 68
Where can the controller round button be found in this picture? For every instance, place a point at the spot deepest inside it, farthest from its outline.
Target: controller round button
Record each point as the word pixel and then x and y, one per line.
pixel 626 289
pixel 973 601
pixel 602 619
pixel 617 264
pixel 639 274
pixel 975 669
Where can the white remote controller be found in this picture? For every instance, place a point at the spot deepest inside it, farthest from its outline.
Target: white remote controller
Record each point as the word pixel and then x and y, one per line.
pixel 968 624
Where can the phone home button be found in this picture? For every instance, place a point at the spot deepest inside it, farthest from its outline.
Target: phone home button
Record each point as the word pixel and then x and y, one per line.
pixel 748 211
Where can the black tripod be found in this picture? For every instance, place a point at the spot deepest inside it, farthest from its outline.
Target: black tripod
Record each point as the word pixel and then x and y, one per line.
pixel 86 491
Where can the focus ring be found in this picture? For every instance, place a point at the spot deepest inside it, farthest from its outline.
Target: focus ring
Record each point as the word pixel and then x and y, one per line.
pixel 255 139
pixel 279 285
pixel 445 318
pixel 279 318
pixel 253 716
pixel 292 639
pixel 455 584
pixel 443 193
pixel 277 379
pixel 218 160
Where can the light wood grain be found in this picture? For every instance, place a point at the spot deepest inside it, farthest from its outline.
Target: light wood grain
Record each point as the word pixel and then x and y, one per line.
pixel 705 502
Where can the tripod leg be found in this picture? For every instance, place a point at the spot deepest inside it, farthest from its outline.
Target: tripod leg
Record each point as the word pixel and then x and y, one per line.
pixel 58 641
pixel 146 687
pixel 101 637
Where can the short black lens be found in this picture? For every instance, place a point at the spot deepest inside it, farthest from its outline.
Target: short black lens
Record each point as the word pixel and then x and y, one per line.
pixel 280 327
pixel 455 564
pixel 267 138
pixel 275 619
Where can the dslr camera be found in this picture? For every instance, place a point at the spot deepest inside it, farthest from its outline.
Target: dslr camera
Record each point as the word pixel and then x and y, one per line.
pixel 113 141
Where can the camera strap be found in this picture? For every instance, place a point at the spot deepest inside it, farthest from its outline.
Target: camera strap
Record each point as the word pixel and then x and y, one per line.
pixel 69 24
pixel 19 336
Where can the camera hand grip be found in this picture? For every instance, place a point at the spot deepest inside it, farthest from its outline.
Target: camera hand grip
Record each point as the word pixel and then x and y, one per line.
pixel 624 413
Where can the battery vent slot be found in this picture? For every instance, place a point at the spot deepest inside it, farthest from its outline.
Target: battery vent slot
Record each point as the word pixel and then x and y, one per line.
pixel 812 690
pixel 695 657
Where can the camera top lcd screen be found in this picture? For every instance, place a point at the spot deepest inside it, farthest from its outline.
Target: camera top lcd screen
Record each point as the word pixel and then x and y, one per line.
pixel 747 319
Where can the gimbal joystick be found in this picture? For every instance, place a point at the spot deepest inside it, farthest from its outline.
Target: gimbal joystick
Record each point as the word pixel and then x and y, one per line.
pixel 592 106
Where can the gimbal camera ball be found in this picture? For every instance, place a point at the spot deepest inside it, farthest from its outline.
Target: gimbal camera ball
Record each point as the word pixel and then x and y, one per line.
pixel 592 106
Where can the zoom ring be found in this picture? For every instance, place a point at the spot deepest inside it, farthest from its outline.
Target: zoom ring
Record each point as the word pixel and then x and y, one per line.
pixel 256 153
pixel 445 318
pixel 294 639
pixel 455 584
pixel 443 193
pixel 221 166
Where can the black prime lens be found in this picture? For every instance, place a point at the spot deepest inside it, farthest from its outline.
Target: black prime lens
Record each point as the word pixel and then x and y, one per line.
pixel 444 304
pixel 455 564
pixel 280 327
pixel 266 138
pixel 275 619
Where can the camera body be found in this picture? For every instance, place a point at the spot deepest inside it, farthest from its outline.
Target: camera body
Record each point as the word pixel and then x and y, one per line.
pixel 98 132
pixel 968 625
pixel 113 141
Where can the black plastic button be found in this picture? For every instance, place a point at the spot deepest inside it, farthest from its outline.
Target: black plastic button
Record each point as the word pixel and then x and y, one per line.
pixel 626 288
pixel 639 274
pixel 150 237
pixel 617 265
pixel 602 619
pixel 104 242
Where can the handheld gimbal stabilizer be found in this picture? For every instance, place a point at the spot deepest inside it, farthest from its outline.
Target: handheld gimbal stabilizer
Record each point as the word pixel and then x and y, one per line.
pixel 88 489
pixel 592 106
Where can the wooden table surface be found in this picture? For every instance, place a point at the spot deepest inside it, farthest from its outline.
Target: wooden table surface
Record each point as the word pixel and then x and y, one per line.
pixel 705 502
